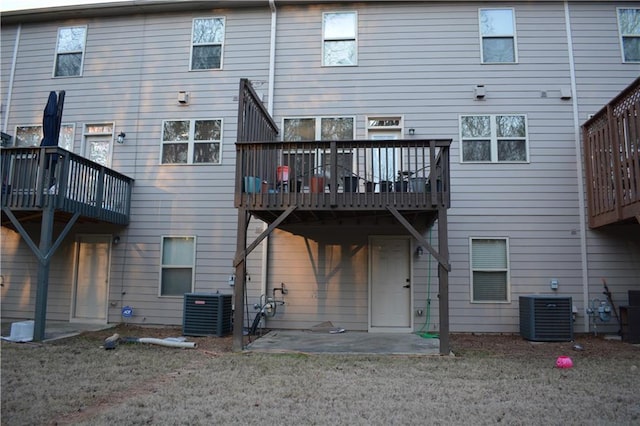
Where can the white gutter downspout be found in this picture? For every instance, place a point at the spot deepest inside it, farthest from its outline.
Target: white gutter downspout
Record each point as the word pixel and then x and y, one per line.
pixel 13 73
pixel 578 146
pixel 272 73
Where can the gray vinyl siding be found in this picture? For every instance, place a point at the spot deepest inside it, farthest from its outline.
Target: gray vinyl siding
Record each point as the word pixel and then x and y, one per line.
pixel 613 254
pixel 420 61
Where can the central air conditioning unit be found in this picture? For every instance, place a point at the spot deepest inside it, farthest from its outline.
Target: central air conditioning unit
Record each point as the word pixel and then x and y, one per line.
pixel 207 314
pixel 546 318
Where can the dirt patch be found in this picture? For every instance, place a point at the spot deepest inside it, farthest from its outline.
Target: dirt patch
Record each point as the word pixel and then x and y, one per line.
pixel 584 345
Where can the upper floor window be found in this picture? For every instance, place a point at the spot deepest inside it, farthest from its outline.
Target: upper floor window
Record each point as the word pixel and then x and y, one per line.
pixel 32 136
pixel 493 138
pixel 70 51
pixel 498 36
pixel 339 38
pixel 191 141
pixel 206 43
pixel 629 25
pixel 315 161
pixel 489 269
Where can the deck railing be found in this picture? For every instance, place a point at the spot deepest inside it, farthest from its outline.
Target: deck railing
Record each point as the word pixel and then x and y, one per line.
pixel 356 174
pixel 611 140
pixel 33 178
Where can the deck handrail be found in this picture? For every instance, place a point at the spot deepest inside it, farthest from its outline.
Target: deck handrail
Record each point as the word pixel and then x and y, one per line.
pixel 35 177
pixel 343 174
pixel 611 145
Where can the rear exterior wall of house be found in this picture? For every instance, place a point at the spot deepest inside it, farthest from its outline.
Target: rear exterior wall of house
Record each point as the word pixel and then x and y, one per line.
pixel 418 62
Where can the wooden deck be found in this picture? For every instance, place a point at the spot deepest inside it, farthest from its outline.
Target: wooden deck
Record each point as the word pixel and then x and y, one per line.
pixel 38 178
pixel 324 180
pixel 611 142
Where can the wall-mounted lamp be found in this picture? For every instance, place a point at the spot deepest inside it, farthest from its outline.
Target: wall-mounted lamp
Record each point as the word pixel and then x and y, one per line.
pixel 116 240
pixel 412 132
pixel 419 251
pixel 121 137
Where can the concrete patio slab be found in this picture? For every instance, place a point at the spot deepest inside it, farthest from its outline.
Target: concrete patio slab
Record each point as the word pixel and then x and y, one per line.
pixel 348 342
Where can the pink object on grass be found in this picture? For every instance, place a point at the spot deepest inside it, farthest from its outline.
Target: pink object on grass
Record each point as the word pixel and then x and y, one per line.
pixel 564 362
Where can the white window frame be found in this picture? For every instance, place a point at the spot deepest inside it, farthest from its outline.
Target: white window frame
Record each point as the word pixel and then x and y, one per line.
pixel 58 53
pixel 39 127
pixel 326 39
pixel 191 141
pixel 506 270
pixel 317 153
pixel 513 35
pixel 623 36
pixel 221 43
pixel 86 134
pixel 494 139
pixel 169 266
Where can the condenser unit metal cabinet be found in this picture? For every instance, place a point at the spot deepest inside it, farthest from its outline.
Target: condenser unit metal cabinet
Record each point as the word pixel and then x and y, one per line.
pixel 207 314
pixel 546 318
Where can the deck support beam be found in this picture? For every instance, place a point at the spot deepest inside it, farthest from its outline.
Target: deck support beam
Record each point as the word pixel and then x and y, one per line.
pixel 239 263
pixel 442 256
pixel 43 252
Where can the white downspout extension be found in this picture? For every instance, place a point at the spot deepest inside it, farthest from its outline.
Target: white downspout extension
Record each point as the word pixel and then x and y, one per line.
pixel 581 193
pixel 13 73
pixel 272 68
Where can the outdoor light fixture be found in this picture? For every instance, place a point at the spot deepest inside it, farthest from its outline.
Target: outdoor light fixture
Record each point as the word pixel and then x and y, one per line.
pixel 412 132
pixel 419 251
pixel 121 137
pixel 116 240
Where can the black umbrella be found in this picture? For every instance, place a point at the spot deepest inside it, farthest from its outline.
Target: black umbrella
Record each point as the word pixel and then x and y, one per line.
pixel 50 121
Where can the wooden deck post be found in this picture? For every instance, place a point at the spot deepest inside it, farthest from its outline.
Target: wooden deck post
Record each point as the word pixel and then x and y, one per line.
pixel 443 280
pixel 44 261
pixel 240 282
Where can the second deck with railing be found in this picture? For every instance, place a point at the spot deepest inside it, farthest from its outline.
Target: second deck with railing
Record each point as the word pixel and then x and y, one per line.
pixel 340 176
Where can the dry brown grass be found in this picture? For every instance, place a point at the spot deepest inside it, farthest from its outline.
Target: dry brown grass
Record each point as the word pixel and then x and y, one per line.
pixel 492 379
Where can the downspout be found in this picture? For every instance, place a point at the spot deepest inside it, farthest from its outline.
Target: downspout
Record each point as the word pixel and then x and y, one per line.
pixel 578 148
pixel 13 73
pixel 272 67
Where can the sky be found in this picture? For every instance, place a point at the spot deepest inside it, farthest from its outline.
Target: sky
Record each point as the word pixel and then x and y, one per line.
pixel 6 5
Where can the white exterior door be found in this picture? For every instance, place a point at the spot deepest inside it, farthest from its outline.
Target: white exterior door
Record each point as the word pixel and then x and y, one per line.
pixel 390 284
pixel 91 287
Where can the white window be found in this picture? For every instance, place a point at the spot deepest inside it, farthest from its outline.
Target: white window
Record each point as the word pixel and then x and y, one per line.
pixel 191 141
pixel 207 42
pixel 316 161
pixel 629 25
pixel 493 138
pixel 498 36
pixel 32 136
pixel 489 269
pixel 70 51
pixel 339 38
pixel 177 269
pixel 98 142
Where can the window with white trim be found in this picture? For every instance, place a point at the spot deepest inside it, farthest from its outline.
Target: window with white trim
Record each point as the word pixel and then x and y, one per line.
pixel 489 269
pixel 315 161
pixel 70 51
pixel 494 138
pixel 629 26
pixel 498 36
pixel 191 141
pixel 207 42
pixel 178 264
pixel 339 39
pixel 32 136
pixel 98 142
